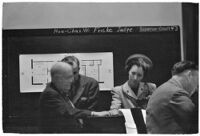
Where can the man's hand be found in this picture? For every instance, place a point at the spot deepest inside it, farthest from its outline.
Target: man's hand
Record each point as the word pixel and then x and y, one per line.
pixel 101 114
pixel 115 112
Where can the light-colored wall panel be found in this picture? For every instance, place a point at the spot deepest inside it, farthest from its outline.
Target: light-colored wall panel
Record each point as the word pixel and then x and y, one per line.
pixel 65 15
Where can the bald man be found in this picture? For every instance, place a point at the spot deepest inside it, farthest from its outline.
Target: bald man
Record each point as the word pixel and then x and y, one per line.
pixel 57 112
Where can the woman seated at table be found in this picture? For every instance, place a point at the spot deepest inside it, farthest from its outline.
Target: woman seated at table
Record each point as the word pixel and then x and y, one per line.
pixel 133 93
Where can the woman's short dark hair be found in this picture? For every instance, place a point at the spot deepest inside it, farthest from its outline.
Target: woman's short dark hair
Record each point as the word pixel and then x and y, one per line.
pixel 138 60
pixel 181 66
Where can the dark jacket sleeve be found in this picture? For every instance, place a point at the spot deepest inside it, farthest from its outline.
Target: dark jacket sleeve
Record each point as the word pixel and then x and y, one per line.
pixel 182 107
pixel 93 96
pixel 63 106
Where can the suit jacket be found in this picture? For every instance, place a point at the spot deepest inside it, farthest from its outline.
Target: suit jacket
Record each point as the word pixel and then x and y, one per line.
pixel 85 93
pixel 195 117
pixel 57 113
pixel 169 109
pixel 124 97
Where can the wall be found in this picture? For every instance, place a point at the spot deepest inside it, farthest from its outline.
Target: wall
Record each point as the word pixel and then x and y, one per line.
pixel 190 15
pixel 65 15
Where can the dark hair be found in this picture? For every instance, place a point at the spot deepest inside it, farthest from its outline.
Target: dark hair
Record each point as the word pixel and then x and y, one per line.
pixel 70 60
pixel 182 66
pixel 139 60
pixel 129 65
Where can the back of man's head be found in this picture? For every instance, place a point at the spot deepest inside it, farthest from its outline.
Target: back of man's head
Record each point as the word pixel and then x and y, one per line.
pixel 59 68
pixel 62 76
pixel 182 66
pixel 71 60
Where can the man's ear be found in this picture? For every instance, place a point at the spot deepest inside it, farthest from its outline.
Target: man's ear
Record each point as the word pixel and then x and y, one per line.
pixel 188 73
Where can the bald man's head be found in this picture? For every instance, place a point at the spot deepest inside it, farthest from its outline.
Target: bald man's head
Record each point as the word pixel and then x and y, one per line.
pixel 60 68
pixel 62 76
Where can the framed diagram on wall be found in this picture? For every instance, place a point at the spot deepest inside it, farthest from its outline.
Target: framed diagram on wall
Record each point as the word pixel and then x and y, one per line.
pixel 35 69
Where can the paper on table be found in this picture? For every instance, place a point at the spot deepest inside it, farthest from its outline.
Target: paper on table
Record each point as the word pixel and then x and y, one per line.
pixel 129 122
pixel 144 115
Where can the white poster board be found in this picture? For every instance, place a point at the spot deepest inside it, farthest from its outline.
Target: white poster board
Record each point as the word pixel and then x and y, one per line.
pixel 35 69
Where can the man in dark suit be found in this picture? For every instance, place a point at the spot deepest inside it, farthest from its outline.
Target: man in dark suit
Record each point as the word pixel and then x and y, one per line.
pixel 170 108
pixel 85 90
pixel 57 112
